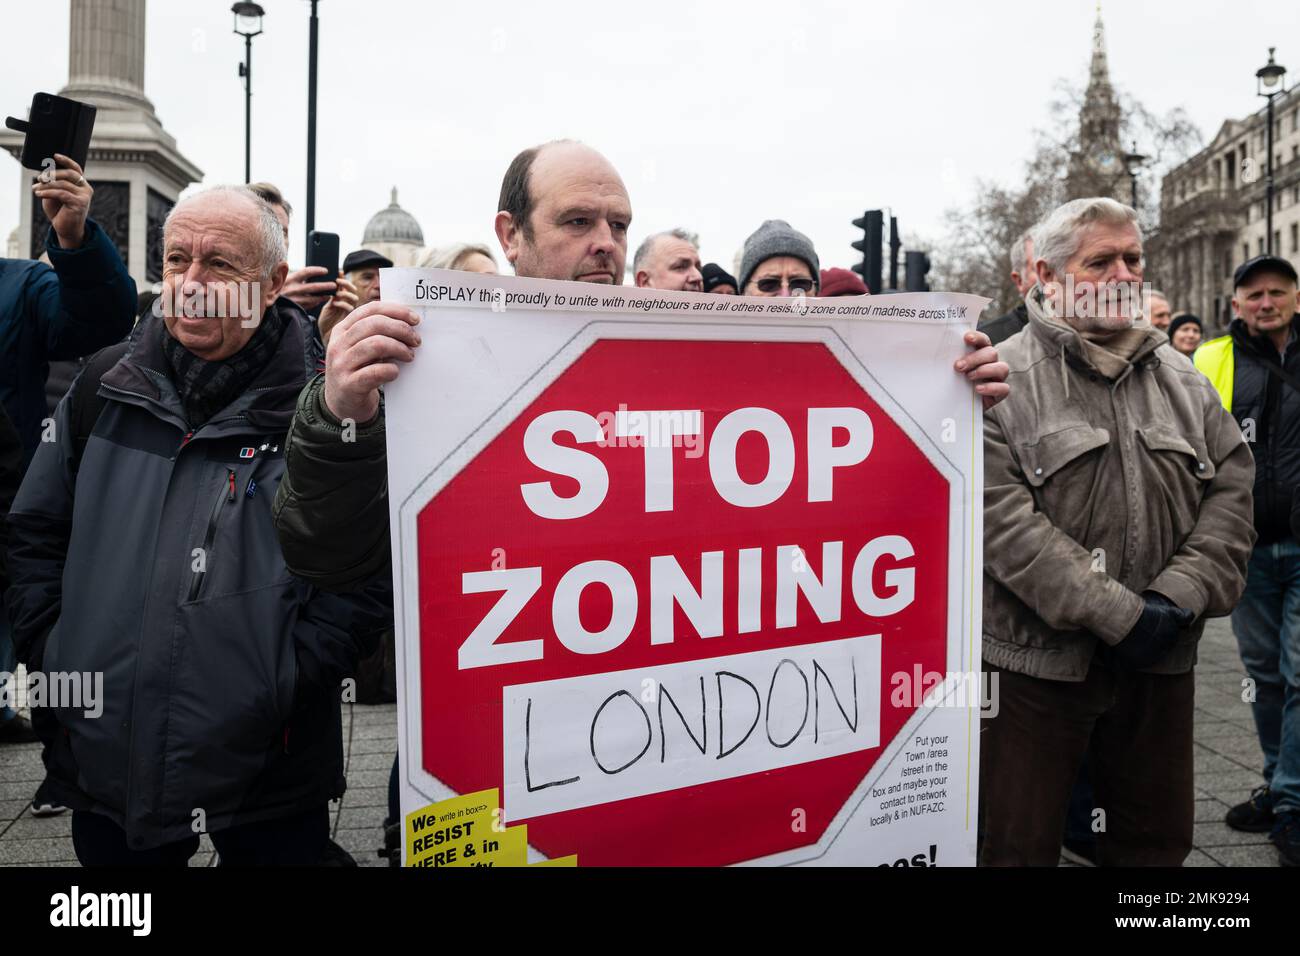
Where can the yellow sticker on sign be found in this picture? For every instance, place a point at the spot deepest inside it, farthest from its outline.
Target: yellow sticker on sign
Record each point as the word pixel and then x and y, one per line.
pixel 467 831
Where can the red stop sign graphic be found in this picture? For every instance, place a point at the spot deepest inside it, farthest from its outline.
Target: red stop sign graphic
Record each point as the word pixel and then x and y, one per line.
pixel 481 514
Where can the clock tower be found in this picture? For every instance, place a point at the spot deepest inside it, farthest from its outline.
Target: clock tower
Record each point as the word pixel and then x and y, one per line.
pixel 1097 166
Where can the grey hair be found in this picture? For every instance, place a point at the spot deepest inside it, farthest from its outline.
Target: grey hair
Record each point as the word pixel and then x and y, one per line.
pixel 272 249
pixel 1019 254
pixel 1057 237
pixel 1157 294
pixel 453 256
pixel 643 251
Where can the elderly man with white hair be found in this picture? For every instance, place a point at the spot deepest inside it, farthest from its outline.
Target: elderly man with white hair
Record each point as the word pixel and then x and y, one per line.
pixel 1117 517
pixel 143 555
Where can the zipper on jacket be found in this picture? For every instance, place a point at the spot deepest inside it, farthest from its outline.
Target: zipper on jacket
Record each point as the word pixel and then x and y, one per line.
pixel 181 447
pixel 227 495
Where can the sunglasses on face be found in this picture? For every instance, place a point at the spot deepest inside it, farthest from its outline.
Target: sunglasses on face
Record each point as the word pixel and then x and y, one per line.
pixel 772 284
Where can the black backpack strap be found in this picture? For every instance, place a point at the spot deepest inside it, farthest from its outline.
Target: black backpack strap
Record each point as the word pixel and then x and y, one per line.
pixel 84 401
pixel 1274 367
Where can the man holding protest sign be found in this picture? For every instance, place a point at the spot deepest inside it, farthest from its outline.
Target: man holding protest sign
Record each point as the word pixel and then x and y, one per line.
pixel 564 213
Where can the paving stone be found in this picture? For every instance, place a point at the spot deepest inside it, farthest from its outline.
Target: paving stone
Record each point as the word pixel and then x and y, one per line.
pixel 364 846
pixel 30 826
pixel 36 851
pixel 1229 708
pixel 1204 761
pixel 371 761
pixel 375 731
pixel 1238 783
pixel 12 809
pixel 1264 854
pixel 1243 758
pixel 368 778
pixel 369 818
pixel 366 797
pixel 1208 835
pixel 1214 727
pixel 1210 810
pixel 375 745
pixel 1255 763
pixel 365 712
pixel 1226 709
pixel 1200 858
pixel 1232 744
pixel 21 763
pixel 1211 670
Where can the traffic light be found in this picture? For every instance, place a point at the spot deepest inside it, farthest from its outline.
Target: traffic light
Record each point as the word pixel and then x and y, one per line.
pixel 894 245
pixel 872 225
pixel 917 265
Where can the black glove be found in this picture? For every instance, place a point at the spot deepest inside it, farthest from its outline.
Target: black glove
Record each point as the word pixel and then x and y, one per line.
pixel 1154 634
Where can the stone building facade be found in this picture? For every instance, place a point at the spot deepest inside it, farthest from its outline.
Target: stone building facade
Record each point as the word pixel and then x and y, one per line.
pixel 1213 209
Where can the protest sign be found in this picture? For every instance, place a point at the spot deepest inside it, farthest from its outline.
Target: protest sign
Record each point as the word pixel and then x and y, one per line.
pixel 684 579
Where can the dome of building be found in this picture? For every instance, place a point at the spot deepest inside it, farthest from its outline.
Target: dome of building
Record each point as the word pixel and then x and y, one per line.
pixel 392 224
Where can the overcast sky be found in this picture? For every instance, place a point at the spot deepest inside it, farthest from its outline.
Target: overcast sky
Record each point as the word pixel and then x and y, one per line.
pixel 717 114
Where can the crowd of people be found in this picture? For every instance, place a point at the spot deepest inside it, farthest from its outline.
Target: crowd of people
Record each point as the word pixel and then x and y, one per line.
pixel 210 498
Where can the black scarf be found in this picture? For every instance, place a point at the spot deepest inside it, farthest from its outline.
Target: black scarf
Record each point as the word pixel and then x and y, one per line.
pixel 207 387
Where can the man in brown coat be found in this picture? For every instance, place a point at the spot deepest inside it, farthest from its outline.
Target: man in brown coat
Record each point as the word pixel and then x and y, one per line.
pixel 1117 516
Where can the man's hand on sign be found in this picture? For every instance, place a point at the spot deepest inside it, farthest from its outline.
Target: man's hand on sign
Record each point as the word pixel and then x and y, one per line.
pixel 307 289
pixel 364 352
pixel 983 368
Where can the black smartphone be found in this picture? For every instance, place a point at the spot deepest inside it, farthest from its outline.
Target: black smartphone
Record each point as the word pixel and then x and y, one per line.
pixel 323 250
pixel 55 124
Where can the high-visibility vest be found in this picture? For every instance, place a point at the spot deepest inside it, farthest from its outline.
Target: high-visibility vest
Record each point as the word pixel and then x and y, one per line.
pixel 1214 360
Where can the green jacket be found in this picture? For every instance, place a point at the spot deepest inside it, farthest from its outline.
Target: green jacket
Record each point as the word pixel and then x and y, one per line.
pixel 331 509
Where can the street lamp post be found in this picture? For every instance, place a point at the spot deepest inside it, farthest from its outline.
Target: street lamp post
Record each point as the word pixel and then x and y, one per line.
pixel 248 24
pixel 312 36
pixel 1134 161
pixel 1269 82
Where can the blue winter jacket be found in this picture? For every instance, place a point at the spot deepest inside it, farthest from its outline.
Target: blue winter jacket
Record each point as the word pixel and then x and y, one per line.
pixel 86 302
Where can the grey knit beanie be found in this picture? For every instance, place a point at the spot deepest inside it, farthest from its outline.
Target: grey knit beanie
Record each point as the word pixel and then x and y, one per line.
pixel 776 238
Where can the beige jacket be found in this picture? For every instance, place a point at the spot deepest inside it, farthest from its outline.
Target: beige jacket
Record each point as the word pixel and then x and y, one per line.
pixel 1099 485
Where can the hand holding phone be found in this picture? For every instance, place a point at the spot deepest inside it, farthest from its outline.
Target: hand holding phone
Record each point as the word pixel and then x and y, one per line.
pixel 55 124
pixel 323 251
pixel 309 287
pixel 65 199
